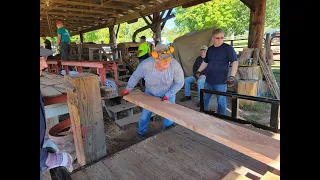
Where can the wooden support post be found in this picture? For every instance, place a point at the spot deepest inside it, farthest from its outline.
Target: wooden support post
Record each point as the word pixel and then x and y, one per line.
pixel 102 74
pixel 66 68
pixel 86 117
pixel 267 42
pixel 81 37
pixel 256 27
pixel 113 42
pixel 156 29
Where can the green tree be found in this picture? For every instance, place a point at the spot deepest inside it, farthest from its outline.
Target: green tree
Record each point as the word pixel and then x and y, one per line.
pixel 171 34
pixel 230 15
pixel 273 14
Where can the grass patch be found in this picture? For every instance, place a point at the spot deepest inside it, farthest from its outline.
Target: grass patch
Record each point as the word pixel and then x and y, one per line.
pixel 259 107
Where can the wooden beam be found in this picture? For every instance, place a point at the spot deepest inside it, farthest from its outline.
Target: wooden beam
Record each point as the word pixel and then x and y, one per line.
pixel 149 10
pixel 256 26
pixel 164 22
pixel 144 18
pixel 193 3
pixel 93 5
pixel 248 3
pixel 77 15
pixel 86 10
pixel 71 19
pixel 253 144
pixel 86 117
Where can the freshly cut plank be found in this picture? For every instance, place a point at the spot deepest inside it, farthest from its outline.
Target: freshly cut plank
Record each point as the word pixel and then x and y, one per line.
pixel 258 146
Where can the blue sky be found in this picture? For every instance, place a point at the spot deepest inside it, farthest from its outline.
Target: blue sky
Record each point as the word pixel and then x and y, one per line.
pixel 170 23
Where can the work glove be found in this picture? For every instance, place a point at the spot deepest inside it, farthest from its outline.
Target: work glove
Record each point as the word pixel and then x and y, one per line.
pixel 49 144
pixel 230 81
pixel 59 159
pixel 125 92
pixel 164 98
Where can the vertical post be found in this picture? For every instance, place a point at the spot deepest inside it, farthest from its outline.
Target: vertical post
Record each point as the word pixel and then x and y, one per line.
pixel 66 68
pixel 274 117
pixel 115 73
pixel 256 27
pixel 234 106
pixel 102 74
pixel 157 28
pixel 79 69
pixel 201 100
pixel 267 42
pixel 113 42
pixel 84 104
pixel 81 37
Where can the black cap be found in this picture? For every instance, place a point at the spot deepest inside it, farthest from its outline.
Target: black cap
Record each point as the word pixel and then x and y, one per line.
pixel 142 37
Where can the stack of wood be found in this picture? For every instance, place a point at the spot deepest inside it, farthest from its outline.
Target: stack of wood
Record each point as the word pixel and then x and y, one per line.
pixel 268 74
pixel 254 64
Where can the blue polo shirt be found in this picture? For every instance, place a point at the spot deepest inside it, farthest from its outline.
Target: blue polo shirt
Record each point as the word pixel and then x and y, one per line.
pixel 219 59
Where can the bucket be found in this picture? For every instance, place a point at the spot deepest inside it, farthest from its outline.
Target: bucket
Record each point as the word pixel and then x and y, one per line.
pixel 62 135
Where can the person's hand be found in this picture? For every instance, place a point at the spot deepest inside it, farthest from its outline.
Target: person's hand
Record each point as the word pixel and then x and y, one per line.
pixel 125 92
pixel 165 98
pixel 230 81
pixel 59 159
pixel 48 143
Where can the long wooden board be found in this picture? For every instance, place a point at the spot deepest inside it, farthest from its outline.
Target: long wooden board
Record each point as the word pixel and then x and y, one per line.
pixel 258 146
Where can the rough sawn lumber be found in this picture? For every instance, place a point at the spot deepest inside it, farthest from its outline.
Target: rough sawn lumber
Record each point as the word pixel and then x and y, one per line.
pixel 258 146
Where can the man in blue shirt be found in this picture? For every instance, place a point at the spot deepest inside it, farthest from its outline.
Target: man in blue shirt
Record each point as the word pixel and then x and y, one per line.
pixel 50 157
pixel 219 56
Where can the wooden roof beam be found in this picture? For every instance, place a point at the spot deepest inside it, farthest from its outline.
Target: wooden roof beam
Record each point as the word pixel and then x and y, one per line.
pixel 77 15
pixel 248 3
pixel 86 10
pixel 156 8
pixel 70 18
pixel 93 5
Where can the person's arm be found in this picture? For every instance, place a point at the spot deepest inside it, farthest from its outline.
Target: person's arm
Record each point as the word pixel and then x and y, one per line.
pixel 58 39
pixel 135 77
pixel 178 81
pixel 195 67
pixel 202 66
pixel 234 68
pixel 233 59
pixel 204 63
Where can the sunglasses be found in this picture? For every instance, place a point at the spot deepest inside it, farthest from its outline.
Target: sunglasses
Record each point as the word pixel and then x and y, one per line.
pixel 165 60
pixel 219 37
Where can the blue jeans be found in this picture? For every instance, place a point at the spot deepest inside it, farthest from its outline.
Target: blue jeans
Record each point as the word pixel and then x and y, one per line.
pixel 189 80
pixel 222 100
pixel 146 115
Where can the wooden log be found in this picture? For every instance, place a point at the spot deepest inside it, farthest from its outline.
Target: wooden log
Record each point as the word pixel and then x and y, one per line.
pixel 271 81
pixel 249 73
pixel 263 53
pixel 245 55
pixel 256 53
pixel 86 117
pixel 270 57
pixel 247 87
pixel 253 144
